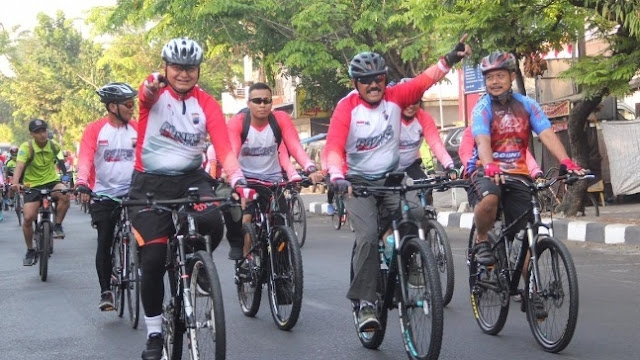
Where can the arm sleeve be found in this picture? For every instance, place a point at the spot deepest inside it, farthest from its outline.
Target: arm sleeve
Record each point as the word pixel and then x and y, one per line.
pixel 234 128
pixel 337 139
pixel 291 141
pixel 532 165
pixel 86 155
pixel 285 162
pixel 146 98
pixel 217 129
pixel 432 136
pixel 465 151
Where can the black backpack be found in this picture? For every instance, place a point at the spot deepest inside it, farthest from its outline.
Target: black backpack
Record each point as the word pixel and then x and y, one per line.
pixel 246 123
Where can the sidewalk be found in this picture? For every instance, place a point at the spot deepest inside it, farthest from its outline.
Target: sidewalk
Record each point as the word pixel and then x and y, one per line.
pixel 617 224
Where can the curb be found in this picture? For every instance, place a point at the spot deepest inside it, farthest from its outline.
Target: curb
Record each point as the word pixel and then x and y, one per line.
pixel 318 208
pixel 572 230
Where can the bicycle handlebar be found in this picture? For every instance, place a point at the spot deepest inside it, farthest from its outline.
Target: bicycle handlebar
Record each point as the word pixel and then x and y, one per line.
pixel 366 190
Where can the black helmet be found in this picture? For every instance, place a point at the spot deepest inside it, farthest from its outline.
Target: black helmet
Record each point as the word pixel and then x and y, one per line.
pixel 498 60
pixel 182 51
pixel 116 92
pixel 367 64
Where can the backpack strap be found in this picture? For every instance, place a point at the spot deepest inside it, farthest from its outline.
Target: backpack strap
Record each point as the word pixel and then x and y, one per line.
pixel 246 124
pixel 54 148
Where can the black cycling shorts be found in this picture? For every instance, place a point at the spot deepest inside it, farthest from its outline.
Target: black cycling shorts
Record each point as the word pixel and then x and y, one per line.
pixel 34 194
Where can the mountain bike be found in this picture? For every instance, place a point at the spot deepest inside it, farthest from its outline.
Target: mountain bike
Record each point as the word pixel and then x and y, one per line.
pixel 550 295
pixel 18 203
pixel 436 235
pixel 551 197
pixel 125 260
pixel 340 216
pixel 274 258
pixel 297 211
pixel 407 280
pixel 193 297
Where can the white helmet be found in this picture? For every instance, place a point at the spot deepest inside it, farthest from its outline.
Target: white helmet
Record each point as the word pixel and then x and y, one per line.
pixel 182 51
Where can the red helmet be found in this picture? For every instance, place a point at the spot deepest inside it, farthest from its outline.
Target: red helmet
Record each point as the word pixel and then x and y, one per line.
pixel 13 150
pixel 498 60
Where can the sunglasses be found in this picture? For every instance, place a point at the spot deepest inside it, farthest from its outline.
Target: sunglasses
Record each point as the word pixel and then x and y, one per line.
pixel 259 101
pixel 128 104
pixel 180 68
pixel 366 80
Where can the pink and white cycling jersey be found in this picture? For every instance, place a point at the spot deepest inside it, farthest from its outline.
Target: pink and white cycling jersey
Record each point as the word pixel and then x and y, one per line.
pixel 173 129
pixel 107 157
pixel 259 156
pixel 367 136
pixel 411 135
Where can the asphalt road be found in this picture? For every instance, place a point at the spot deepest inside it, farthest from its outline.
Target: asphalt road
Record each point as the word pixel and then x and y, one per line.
pixel 59 319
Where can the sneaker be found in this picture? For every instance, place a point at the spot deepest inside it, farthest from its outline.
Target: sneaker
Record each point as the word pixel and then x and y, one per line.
pixel 235 253
pixel 538 308
pixel 330 210
pixel 58 232
pixel 367 320
pixel 106 301
pixel 29 258
pixel 484 256
pixel 153 350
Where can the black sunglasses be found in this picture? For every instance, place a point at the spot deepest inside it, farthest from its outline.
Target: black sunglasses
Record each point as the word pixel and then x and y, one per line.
pixel 366 80
pixel 259 101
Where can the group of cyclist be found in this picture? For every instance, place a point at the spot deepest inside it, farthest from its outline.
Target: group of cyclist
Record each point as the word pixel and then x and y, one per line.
pixel 374 130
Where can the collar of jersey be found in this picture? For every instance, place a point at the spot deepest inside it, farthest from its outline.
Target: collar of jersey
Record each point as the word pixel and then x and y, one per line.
pixel 177 96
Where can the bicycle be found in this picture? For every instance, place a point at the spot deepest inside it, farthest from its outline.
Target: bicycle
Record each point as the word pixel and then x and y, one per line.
pixel 297 211
pixel 408 280
pixel 18 203
pixel 340 216
pixel 436 235
pixel 546 288
pixel 274 258
pixel 193 297
pixel 43 228
pixel 125 260
pixel 550 198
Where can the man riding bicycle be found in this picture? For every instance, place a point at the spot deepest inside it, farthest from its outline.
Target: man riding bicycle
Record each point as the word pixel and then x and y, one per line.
pixel 364 133
pixel 105 165
pixel 37 162
pixel 8 170
pixel 176 116
pixel 502 124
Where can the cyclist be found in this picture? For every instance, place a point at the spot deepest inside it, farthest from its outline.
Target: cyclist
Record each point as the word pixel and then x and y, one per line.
pixel 9 168
pixel 175 117
pixel 105 166
pixel 37 162
pixel 502 123
pixel 2 191
pixel 364 132
pixel 263 140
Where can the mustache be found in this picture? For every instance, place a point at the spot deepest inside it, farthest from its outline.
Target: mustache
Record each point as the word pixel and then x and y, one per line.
pixel 374 89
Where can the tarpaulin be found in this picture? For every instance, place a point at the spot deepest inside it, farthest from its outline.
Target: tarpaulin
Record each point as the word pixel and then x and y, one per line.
pixel 622 140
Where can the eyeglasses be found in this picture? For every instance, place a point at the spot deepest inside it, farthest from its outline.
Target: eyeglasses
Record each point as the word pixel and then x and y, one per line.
pixel 180 68
pixel 259 101
pixel 366 80
pixel 128 104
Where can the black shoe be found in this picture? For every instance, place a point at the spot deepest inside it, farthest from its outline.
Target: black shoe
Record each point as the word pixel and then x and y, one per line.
pixel 106 301
pixel 367 319
pixel 154 347
pixel 30 257
pixel 236 253
pixel 484 256
pixel 58 232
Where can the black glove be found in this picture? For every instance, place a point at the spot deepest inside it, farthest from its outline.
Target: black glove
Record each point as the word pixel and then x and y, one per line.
pixel 83 189
pixel 453 58
pixel 340 185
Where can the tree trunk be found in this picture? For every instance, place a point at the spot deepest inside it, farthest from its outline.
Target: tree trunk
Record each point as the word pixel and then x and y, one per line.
pixel 519 77
pixel 574 199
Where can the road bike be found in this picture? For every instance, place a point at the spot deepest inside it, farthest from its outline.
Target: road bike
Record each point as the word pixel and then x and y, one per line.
pixel 297 211
pixel 125 261
pixel 408 280
pixel 193 298
pixel 550 295
pixel 274 259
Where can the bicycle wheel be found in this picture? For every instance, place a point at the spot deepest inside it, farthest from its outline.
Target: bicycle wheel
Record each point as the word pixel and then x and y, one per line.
pixel 372 339
pixel 17 206
pixel 421 306
pixel 552 310
pixel 337 219
pixel 206 331
pixel 299 219
pixel 489 300
pixel 132 285
pixel 439 242
pixel 590 206
pixel 249 279
pixel 285 279
pixel 118 258
pixel 172 325
pixel 44 245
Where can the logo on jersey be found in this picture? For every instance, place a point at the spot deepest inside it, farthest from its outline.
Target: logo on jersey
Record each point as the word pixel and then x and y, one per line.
pixel 185 138
pixel 195 117
pixel 370 143
pixel 410 144
pixel 258 151
pixel 362 123
pixel 115 155
pixel 103 142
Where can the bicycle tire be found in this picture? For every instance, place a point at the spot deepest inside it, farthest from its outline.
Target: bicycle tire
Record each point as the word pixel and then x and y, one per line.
pixel 346 219
pixel 285 280
pixel 438 240
pixel 208 310
pixel 17 206
pixel 298 219
pixel 44 245
pixel 117 262
pixel 338 212
pixel 172 326
pixel 551 256
pixel 249 286
pixel 372 339
pixel 422 302
pixel 487 294
pixel 133 282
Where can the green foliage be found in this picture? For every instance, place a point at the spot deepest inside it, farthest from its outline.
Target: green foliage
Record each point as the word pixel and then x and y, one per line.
pixel 6 134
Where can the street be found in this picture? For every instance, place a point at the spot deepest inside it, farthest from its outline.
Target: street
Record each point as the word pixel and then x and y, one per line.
pixel 59 319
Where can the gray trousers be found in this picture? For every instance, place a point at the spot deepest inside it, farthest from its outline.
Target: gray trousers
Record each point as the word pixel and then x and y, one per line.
pixel 363 214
